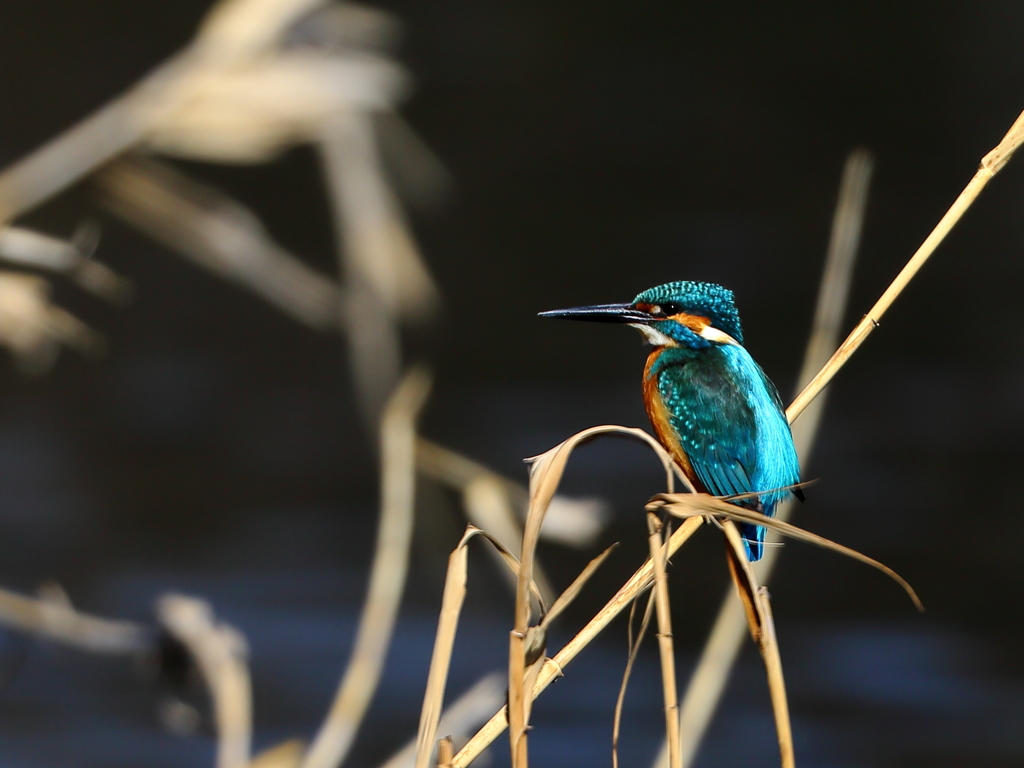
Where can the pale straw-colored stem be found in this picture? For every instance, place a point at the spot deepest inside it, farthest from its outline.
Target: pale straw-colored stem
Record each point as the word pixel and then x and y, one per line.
pixel 663 608
pixel 233 31
pixel 991 164
pixel 113 129
pixel 463 715
pixel 432 720
pixel 61 623
pixel 387 575
pixel 370 321
pixel 492 502
pixel 220 653
pixel 445 752
pixel 217 233
pixel 757 607
pixel 638 583
pixel 634 650
pixel 722 648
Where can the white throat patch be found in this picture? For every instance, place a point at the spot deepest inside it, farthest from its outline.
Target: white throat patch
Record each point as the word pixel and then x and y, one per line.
pixel 658 339
pixel 653 337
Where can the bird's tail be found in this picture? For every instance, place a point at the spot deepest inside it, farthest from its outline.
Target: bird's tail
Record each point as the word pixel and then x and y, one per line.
pixel 753 539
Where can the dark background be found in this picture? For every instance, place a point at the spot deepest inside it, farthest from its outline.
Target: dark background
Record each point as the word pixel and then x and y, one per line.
pixel 597 149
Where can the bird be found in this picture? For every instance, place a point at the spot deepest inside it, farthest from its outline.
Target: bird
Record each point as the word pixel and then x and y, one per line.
pixel 712 407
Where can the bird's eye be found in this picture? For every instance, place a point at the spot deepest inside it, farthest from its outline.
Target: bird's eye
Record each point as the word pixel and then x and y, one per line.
pixel 669 308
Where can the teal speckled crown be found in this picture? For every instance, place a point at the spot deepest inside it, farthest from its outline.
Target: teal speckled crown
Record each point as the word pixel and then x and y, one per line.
pixel 706 299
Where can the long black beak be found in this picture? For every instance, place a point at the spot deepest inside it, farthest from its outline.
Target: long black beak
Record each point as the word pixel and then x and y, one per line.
pixel 601 313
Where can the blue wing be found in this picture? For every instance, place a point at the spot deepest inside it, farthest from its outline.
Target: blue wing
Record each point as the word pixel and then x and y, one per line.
pixel 714 423
pixel 729 423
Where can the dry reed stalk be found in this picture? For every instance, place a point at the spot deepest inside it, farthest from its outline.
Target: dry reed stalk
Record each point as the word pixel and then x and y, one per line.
pixel 220 652
pixel 238 93
pixel 492 502
pixel 545 474
pixel 837 275
pixel 387 574
pixel 707 682
pixel 71 257
pixel 762 627
pixel 447 625
pixel 287 754
pixel 525 660
pixel 553 668
pixel 991 164
pixel 33 327
pixel 488 506
pixel 462 716
pixel 634 649
pixel 233 31
pixel 445 752
pixel 63 624
pixel 665 641
pixel 754 599
pixel 457 470
pixel 378 245
pixel 702 505
pixel 720 652
pixel 217 233
pixel 532 645
pixel 365 261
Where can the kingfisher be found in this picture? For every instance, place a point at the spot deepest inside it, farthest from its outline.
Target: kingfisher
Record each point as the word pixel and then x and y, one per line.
pixel 712 407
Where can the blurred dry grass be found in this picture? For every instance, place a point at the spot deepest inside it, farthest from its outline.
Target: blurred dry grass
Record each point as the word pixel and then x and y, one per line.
pixel 262 76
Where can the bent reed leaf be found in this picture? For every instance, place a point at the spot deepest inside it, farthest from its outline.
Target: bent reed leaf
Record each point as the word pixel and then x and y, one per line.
pixel 452 600
pixel 525 663
pixel 573 589
pixel 762 628
pixel 688 505
pixel 554 667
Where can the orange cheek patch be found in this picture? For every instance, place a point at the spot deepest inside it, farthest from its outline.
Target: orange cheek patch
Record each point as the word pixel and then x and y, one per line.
pixel 695 323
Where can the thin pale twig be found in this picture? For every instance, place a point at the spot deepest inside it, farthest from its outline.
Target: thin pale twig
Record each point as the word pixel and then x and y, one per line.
pixel 488 505
pixel 665 642
pixel 445 752
pixel 233 31
pixel 387 575
pixel 634 649
pixel 220 652
pixel 466 713
pixel 63 624
pixel 546 473
pixel 991 164
pixel 570 593
pixel 219 234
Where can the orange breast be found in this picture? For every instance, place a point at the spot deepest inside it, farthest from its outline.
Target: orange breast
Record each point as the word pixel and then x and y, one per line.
pixel 658 413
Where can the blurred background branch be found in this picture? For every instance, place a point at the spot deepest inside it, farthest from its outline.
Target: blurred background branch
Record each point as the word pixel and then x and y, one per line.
pixel 221 450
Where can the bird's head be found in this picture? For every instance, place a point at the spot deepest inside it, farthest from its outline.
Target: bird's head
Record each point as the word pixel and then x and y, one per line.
pixel 683 313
